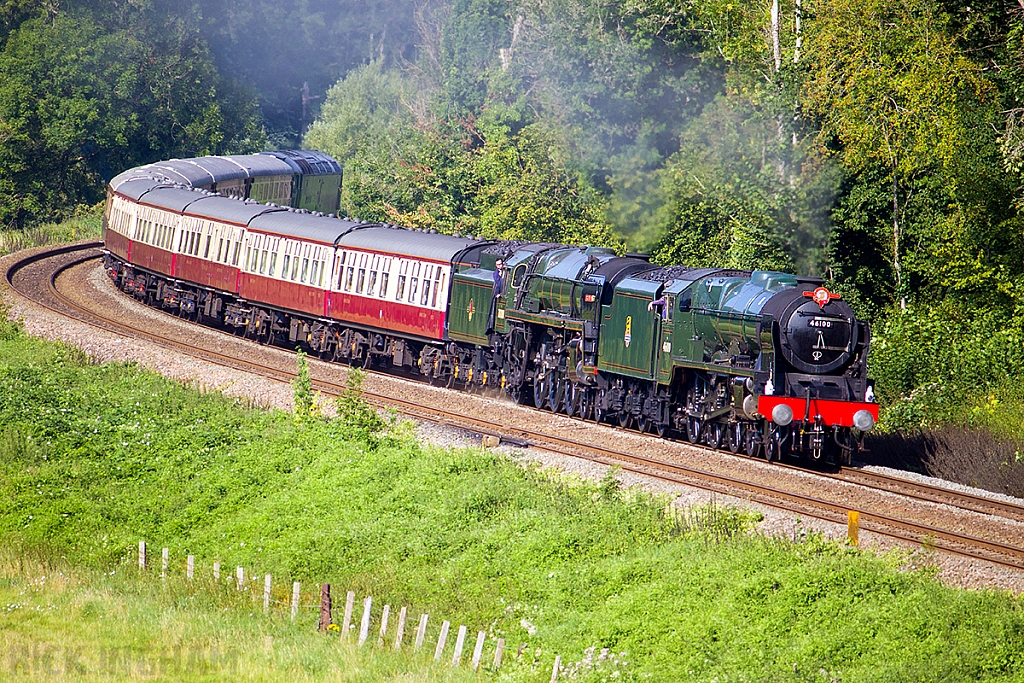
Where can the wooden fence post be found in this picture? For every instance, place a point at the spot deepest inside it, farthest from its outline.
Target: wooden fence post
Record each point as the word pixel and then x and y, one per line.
pixel 142 554
pixel 383 625
pixel 853 527
pixel 216 570
pixel 190 567
pixel 445 625
pixel 478 651
pixel 325 606
pixel 460 642
pixel 421 632
pixel 165 558
pixel 295 600
pixel 400 632
pixel 350 601
pixel 240 576
pixel 554 669
pixel 266 593
pixel 364 623
pixel 498 652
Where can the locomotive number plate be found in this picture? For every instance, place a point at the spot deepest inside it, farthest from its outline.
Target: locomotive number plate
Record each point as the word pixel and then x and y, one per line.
pixel 820 322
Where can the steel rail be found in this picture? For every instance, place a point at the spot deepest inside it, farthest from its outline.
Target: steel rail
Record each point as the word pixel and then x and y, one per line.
pixel 952 542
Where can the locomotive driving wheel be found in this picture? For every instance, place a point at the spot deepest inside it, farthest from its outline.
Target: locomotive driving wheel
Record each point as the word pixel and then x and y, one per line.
pixel 693 429
pixel 736 436
pixel 541 387
pixel 600 411
pixel 715 434
pixel 752 442
pixel 584 403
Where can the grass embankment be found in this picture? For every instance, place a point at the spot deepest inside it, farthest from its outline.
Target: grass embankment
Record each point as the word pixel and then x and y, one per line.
pixel 95 458
pixel 59 623
pixel 85 224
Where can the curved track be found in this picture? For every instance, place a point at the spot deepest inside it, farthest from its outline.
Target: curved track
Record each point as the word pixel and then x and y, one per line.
pixel 26 276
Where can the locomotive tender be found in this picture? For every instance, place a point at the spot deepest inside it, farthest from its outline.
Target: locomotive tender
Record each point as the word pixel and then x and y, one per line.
pixel 764 362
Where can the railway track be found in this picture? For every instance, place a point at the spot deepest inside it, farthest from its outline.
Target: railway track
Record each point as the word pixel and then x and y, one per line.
pixel 26 275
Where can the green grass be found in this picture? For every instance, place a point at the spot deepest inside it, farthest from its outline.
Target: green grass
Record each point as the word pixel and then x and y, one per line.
pixel 66 623
pixel 95 458
pixel 85 224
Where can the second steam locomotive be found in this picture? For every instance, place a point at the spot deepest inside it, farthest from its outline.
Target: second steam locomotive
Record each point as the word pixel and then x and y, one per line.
pixel 762 362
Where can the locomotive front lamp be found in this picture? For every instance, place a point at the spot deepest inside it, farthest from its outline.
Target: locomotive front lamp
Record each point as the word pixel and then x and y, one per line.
pixel 863 420
pixel 782 414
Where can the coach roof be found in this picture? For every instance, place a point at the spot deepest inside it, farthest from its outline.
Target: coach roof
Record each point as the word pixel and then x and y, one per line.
pixel 403 242
pixel 136 187
pixel 305 226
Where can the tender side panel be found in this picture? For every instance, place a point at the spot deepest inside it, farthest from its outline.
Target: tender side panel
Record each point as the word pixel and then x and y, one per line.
pixel 628 334
pixel 471 307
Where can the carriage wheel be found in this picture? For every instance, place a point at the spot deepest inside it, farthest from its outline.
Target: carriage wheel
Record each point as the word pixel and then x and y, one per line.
pixel 643 423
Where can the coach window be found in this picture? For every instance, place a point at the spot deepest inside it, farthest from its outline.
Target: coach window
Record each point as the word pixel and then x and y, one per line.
pixel 371 289
pixel 349 275
pixel 209 237
pixel 305 269
pixel 312 276
pixel 360 280
pixel 413 286
pixel 426 286
pixel 263 262
pixel 437 286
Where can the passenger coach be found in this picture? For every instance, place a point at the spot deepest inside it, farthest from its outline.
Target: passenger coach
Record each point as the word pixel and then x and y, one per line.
pixel 349 289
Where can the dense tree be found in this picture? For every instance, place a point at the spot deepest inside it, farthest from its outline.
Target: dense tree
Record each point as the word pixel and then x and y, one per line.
pixel 80 102
pixel 891 87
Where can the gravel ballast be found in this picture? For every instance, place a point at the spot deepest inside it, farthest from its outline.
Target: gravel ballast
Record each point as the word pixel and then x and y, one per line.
pixel 90 284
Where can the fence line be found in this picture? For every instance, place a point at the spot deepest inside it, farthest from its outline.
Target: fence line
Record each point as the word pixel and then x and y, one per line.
pixel 324 607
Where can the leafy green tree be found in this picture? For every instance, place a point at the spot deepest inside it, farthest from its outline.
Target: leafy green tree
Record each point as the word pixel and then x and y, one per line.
pixel 528 190
pixel 903 104
pixel 79 103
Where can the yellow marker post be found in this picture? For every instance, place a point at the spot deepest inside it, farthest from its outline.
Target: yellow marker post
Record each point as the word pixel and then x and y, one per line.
pixel 853 527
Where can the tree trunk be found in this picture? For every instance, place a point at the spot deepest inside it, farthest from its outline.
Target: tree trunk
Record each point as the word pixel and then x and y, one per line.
pixel 797 29
pixel 896 265
pixel 776 47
